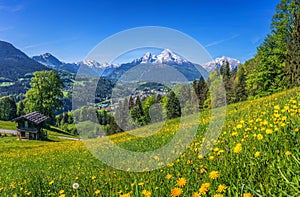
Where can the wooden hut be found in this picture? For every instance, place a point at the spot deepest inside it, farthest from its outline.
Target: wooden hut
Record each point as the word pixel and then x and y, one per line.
pixel 30 126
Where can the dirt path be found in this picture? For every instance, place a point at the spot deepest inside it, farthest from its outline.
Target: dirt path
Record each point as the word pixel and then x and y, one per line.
pixel 12 132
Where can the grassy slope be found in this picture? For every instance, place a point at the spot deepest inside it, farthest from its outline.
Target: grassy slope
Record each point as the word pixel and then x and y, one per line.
pixel 8 125
pixel 268 126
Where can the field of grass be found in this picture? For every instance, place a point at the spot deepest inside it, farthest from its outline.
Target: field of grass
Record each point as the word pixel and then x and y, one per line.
pixel 8 125
pixel 257 154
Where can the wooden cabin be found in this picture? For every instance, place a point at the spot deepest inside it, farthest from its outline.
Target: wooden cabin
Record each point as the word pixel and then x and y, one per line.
pixel 30 126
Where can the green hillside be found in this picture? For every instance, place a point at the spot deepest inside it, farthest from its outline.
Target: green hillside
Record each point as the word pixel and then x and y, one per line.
pixel 257 154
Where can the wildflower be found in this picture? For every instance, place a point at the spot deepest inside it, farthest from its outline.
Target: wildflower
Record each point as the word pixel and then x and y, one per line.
pixel 221 188
pixel 97 192
pixel 238 148
pixel 61 191
pixel 196 194
pixel 75 186
pixel 51 182
pixel 204 188
pixel 288 153
pixel 93 177
pixel 277 107
pixel 297 129
pixel 218 195
pixel 176 192
pixel 141 184
pixel 260 136
pixel 125 195
pixel 247 195
pixel 146 193
pixel 168 176
pixel 239 126
pixel 181 182
pixel 269 131
pixel 202 170
pixel 234 134
pixel 257 154
pixel 214 174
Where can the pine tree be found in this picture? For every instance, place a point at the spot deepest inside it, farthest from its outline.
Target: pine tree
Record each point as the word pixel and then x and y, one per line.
pixel 8 108
pixel 173 106
pixel 131 103
pixel 239 86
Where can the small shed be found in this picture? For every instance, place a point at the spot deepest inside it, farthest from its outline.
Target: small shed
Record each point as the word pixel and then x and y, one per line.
pixel 30 126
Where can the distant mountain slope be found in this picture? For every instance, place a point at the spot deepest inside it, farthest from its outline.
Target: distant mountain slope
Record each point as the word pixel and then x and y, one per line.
pixel 15 64
pixel 48 60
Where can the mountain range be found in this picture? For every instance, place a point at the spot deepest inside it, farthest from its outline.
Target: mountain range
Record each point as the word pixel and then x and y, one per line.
pixel 16 68
pixel 114 71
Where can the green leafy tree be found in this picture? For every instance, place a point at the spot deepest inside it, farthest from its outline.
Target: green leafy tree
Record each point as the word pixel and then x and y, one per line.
pixel 45 94
pixel 277 63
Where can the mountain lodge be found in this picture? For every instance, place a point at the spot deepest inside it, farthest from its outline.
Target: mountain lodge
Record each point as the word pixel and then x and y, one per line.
pixel 30 126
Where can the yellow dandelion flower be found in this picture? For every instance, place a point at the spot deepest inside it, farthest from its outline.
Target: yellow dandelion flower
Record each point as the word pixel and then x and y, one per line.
pixel 125 195
pixel 214 174
pixel 221 188
pixel 218 195
pixel 146 193
pixel 257 154
pixel 97 192
pixel 176 192
pixel 204 188
pixel 61 191
pixel 237 148
pixel 239 126
pixel 93 177
pixel 234 134
pixel 297 129
pixel 247 195
pixel 269 131
pixel 196 194
pixel 168 176
pixel 202 170
pixel 259 136
pixel 51 182
pixel 288 153
pixel 141 184
pixel 181 182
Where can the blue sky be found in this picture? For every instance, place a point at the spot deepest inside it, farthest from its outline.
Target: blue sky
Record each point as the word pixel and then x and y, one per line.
pixel 70 29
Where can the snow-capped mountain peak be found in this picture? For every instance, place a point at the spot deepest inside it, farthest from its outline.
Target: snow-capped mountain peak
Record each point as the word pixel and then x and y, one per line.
pixel 218 62
pixel 167 56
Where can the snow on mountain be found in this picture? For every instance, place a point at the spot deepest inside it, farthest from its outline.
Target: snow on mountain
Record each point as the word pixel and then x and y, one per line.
pixel 165 57
pixel 218 62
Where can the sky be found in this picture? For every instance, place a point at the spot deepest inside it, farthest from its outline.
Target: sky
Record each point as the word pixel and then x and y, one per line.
pixel 71 29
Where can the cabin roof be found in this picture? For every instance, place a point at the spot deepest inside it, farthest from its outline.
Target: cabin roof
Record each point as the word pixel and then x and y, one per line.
pixel 35 117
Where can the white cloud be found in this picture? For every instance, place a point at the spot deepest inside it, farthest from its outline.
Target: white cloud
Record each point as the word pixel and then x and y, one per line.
pixel 221 41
